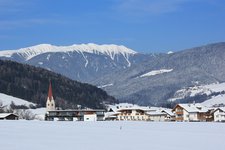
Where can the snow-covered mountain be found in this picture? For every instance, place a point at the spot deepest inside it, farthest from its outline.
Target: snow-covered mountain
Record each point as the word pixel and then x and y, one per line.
pixel 82 62
pixel 145 79
pixel 30 52
pixel 158 79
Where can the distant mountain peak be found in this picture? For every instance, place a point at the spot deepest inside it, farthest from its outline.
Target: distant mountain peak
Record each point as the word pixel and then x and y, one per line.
pixel 108 49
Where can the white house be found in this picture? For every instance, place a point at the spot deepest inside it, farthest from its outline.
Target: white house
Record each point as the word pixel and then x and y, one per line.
pixel 157 115
pixel 219 114
pixel 190 112
pixel 161 114
pixel 132 114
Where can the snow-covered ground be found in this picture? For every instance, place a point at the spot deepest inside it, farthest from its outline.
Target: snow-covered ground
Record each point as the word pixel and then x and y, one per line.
pixel 40 135
pixel 39 113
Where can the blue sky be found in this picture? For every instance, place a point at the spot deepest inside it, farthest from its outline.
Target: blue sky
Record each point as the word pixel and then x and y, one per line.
pixel 142 25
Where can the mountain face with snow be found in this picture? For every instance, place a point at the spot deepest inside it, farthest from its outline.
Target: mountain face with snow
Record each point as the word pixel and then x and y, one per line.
pixel 147 79
pixel 83 62
pixel 155 81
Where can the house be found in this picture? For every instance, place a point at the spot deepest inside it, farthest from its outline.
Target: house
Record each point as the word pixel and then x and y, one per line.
pixel 8 116
pixel 161 114
pixel 111 116
pixel 126 111
pixel 219 114
pixel 170 116
pixel 157 116
pixel 190 112
pixel 132 114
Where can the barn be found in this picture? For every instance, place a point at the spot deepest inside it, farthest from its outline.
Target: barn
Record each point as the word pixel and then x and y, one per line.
pixel 8 116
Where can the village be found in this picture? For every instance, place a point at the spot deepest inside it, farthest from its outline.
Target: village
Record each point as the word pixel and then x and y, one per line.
pixel 192 112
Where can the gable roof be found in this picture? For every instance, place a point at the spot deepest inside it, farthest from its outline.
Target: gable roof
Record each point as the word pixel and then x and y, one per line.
pixel 168 111
pixel 4 115
pixel 219 108
pixel 193 108
pixel 156 113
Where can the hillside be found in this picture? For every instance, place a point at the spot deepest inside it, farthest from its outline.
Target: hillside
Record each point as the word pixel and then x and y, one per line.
pixel 153 82
pixel 30 83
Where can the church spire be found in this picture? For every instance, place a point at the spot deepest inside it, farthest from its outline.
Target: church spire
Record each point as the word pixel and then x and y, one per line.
pixel 50 104
pixel 50 97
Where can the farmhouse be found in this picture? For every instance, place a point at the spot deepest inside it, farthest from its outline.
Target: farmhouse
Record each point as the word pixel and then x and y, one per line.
pixel 219 114
pixel 190 112
pixel 8 116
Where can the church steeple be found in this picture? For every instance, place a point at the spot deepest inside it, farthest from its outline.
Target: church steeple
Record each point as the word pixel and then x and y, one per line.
pixel 50 104
pixel 50 97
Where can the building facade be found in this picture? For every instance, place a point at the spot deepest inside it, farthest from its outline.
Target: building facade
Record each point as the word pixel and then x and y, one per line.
pixel 190 112
pixel 132 114
pixel 75 115
pixel 219 114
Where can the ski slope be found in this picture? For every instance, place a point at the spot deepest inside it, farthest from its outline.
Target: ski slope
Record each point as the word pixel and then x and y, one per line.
pixel 41 135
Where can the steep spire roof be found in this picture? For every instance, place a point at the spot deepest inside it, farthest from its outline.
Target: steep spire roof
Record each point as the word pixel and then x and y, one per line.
pixel 50 97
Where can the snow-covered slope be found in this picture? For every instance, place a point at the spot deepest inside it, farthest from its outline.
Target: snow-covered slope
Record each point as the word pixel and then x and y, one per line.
pixel 7 99
pixel 203 89
pixel 30 52
pixel 215 101
pixel 156 72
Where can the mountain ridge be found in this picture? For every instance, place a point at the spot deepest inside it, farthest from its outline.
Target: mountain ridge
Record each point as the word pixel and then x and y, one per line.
pixel 30 52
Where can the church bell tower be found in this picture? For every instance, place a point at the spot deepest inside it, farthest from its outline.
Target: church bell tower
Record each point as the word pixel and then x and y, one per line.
pixel 50 104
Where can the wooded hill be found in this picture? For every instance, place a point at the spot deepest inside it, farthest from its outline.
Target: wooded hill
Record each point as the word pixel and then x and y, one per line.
pixel 31 83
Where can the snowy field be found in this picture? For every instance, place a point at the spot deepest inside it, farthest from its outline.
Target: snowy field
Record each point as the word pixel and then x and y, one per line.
pixel 41 135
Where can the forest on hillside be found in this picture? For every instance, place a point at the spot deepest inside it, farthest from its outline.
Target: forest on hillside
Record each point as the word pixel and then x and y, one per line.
pixel 31 83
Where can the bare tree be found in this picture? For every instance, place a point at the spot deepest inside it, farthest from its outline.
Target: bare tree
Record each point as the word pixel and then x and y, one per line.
pixel 24 114
pixel 1 107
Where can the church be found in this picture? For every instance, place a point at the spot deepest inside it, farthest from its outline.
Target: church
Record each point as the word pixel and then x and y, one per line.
pixel 50 104
pixel 53 114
